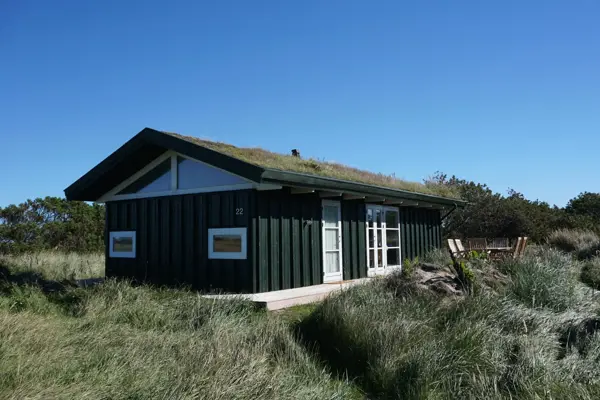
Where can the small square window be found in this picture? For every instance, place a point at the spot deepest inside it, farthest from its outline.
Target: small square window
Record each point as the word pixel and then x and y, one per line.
pixel 227 243
pixel 122 244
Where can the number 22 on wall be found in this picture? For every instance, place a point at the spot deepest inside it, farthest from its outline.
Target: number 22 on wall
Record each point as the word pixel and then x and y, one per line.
pixel 239 211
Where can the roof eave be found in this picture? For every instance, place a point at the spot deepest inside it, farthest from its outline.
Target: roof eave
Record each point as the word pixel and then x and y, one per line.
pixel 325 183
pixel 79 190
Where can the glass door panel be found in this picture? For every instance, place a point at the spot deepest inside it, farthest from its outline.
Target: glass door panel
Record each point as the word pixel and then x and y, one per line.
pixel 375 240
pixel 392 236
pixel 332 241
pixel 383 239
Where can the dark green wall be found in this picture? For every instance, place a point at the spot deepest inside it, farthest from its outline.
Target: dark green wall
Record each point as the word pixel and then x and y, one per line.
pixel 287 230
pixel 284 239
pixel 420 229
pixel 354 239
pixel 172 242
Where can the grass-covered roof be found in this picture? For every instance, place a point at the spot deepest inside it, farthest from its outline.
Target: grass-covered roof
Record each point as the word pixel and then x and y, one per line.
pixel 267 159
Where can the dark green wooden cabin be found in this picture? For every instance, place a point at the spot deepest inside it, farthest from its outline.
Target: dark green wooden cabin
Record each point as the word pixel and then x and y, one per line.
pixel 181 210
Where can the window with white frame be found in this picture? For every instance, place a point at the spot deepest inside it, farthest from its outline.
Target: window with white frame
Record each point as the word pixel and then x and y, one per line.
pixel 172 173
pixel 227 243
pixel 122 244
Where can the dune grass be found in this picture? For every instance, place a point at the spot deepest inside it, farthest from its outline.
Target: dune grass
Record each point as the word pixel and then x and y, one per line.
pixel 536 338
pixel 116 340
pixel 590 273
pixel 56 265
pixel 583 244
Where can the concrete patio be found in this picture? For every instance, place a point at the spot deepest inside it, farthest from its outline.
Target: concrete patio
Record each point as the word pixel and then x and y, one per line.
pixel 279 299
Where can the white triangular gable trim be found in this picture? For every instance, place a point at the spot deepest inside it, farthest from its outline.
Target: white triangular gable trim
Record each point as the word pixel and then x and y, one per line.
pixel 244 183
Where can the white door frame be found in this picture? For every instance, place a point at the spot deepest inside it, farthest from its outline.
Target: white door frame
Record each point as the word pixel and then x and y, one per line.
pixel 332 276
pixel 385 268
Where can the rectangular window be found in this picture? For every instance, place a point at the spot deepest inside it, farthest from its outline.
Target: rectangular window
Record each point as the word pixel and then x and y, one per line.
pixel 227 243
pixel 122 244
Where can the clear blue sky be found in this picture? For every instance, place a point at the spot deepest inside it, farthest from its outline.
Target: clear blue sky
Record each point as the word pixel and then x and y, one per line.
pixel 503 92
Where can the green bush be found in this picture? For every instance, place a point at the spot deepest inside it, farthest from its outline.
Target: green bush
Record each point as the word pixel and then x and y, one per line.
pixel 408 267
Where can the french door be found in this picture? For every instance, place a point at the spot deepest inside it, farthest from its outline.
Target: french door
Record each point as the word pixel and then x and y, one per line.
pixel 383 239
pixel 332 241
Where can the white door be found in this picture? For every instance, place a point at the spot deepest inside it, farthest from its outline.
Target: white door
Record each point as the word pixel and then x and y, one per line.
pixel 332 241
pixel 383 239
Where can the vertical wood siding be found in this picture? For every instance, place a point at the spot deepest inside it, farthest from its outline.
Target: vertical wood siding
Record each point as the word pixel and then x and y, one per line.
pixel 283 239
pixel 354 240
pixel 172 239
pixel 421 231
pixel 287 233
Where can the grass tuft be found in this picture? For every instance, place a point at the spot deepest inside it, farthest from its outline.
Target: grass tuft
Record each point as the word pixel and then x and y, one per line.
pixel 590 273
pixel 584 244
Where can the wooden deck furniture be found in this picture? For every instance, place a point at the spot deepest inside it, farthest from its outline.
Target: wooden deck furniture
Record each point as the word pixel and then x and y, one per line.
pixel 454 250
pixel 520 247
pixel 496 249
pixel 499 243
pixel 460 246
pixel 477 244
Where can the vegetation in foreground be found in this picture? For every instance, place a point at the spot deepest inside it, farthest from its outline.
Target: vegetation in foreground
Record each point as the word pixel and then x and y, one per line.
pixel 535 339
pixel 532 337
pixel 115 340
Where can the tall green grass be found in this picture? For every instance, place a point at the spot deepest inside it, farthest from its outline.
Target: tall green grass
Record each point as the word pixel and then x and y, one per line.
pixel 584 244
pixel 397 342
pixel 56 265
pixel 532 338
pixel 115 341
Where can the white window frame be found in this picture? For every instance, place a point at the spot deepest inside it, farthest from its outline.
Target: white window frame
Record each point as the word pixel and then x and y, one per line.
pixel 170 154
pixel 241 255
pixel 332 276
pixel 385 269
pixel 121 254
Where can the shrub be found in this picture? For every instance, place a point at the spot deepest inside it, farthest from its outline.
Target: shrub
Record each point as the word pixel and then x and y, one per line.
pixel 577 241
pixel 408 267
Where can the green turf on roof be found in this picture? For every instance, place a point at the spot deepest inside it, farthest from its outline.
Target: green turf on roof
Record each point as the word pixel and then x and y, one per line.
pixel 268 159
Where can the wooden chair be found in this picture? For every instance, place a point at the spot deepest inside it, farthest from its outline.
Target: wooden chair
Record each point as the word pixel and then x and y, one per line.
pixel 517 248
pixel 460 246
pixel 456 248
pixel 523 245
